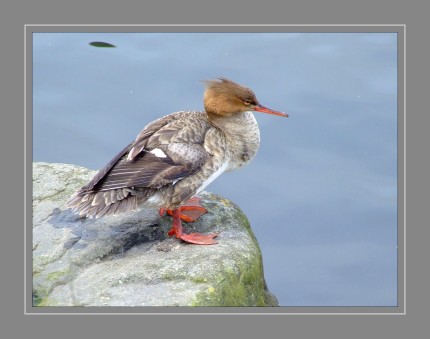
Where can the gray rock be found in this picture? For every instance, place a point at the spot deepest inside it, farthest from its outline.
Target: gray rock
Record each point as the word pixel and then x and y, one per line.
pixel 129 260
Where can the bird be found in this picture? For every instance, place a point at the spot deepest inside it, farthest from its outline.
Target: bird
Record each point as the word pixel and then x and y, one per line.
pixel 177 156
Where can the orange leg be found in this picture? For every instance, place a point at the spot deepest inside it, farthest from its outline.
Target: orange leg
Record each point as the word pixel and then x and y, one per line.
pixel 193 238
pixel 190 212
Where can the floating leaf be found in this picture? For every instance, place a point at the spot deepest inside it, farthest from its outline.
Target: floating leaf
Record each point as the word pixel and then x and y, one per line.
pixel 101 44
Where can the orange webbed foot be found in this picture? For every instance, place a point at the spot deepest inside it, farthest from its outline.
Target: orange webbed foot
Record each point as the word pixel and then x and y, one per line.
pixel 189 212
pixel 199 239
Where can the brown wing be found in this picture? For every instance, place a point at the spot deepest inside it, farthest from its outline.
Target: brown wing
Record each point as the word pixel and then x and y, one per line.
pixel 102 173
pixel 164 152
pixel 151 171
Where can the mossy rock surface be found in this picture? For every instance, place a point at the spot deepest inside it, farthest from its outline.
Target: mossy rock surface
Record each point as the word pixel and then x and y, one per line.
pixel 129 260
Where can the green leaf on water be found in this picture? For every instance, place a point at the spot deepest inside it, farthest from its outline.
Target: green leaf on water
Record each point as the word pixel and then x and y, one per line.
pixel 101 44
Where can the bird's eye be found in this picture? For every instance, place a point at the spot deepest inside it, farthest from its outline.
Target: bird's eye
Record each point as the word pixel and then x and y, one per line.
pixel 247 102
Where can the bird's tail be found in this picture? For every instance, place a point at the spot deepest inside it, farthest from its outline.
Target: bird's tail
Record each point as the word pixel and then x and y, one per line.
pixel 96 204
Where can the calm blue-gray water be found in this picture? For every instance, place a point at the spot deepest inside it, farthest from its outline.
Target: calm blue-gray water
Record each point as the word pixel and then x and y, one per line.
pixel 321 194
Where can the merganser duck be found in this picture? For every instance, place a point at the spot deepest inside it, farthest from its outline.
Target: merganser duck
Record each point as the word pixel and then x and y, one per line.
pixel 176 157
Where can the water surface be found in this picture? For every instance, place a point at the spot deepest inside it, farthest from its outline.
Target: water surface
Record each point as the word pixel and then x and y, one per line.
pixel 321 193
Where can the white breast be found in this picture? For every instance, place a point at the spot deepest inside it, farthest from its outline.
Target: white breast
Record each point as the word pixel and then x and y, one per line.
pixel 214 175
